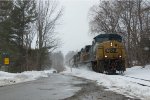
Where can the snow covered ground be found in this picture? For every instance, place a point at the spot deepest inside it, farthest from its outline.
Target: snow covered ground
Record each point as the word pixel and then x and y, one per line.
pixel 134 83
pixel 13 78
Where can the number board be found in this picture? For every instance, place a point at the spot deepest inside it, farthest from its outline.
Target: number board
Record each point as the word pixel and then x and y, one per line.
pixel 111 50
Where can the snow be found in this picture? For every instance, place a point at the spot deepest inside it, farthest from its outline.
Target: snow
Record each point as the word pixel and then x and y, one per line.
pixel 13 78
pixel 139 72
pixel 134 83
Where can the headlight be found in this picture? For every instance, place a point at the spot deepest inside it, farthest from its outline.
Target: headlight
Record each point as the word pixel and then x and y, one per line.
pixel 105 56
pixel 120 56
pixel 111 44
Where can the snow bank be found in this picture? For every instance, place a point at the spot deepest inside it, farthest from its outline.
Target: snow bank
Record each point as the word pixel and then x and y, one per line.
pixel 139 72
pixel 121 84
pixel 13 78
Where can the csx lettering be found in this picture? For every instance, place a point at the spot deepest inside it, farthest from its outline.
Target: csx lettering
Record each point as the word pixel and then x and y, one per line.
pixel 111 50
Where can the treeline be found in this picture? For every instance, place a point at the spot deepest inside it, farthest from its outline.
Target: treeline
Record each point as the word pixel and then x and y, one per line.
pixel 58 61
pixel 130 19
pixel 27 32
pixel 69 57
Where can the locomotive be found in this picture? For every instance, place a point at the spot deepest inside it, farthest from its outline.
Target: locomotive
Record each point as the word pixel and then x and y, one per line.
pixel 106 54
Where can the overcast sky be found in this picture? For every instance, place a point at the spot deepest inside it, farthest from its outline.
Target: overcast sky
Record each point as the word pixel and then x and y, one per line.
pixel 74 29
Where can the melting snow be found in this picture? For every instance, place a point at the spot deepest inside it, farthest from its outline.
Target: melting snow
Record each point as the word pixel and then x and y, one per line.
pixel 134 82
pixel 13 78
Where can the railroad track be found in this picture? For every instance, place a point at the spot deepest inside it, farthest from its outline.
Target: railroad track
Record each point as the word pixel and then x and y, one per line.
pixel 139 79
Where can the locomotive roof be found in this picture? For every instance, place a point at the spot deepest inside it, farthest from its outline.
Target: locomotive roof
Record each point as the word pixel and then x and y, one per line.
pixel 110 36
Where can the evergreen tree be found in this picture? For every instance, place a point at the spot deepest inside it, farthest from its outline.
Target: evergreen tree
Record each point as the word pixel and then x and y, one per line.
pixel 23 16
pixel 5 22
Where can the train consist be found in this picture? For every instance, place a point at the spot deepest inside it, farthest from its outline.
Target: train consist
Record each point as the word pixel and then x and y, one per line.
pixel 106 54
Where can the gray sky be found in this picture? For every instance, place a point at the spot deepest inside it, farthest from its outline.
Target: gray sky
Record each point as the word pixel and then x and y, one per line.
pixel 74 29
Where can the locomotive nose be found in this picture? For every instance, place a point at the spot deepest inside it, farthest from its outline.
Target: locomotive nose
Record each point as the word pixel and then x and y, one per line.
pixel 112 50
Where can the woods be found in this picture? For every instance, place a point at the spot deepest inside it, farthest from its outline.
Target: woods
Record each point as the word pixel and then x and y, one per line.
pixel 28 30
pixel 27 33
pixel 130 19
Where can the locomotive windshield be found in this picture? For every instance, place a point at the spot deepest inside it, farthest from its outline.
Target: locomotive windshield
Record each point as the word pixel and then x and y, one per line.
pixel 107 37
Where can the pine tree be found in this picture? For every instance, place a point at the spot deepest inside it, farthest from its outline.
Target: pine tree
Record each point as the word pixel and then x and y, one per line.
pixel 5 22
pixel 23 16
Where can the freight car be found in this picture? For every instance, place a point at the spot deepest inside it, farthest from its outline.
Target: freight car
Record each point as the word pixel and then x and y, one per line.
pixel 106 54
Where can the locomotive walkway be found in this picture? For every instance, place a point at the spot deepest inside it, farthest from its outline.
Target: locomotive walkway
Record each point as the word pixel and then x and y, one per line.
pixel 58 87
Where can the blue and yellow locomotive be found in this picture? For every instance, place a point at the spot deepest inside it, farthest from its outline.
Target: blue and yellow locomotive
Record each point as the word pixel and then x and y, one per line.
pixel 106 54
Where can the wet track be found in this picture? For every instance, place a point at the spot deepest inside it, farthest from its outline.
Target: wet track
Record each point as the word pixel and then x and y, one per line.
pixel 53 88
pixel 58 87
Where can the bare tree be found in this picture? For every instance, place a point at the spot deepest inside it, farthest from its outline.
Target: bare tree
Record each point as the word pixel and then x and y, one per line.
pixel 48 16
pixel 130 18
pixel 106 18
pixel 69 56
pixel 58 61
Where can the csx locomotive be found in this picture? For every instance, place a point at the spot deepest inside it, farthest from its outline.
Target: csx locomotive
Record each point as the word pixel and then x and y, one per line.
pixel 106 54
